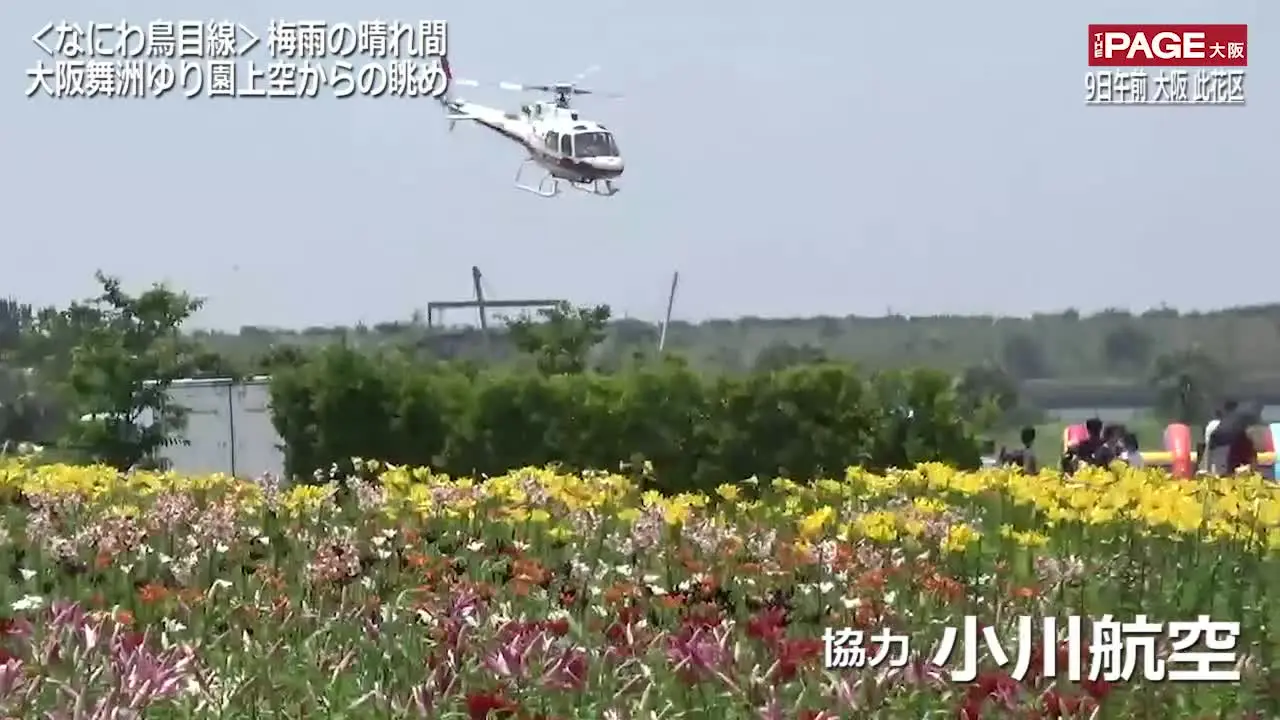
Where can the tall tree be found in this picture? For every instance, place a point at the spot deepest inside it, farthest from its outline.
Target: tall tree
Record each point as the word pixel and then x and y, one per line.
pixel 29 408
pixel 987 394
pixel 1188 383
pixel 15 320
pixel 129 353
pixel 1024 357
pixel 560 339
pixel 1126 347
pixel 782 355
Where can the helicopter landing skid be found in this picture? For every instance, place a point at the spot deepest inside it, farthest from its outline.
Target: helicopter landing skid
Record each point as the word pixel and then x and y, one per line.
pixel 603 188
pixel 548 186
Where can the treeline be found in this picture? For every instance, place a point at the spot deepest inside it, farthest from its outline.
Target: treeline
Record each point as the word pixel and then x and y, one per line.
pixel 1085 354
pixel 693 431
pixel 1112 359
pixel 92 381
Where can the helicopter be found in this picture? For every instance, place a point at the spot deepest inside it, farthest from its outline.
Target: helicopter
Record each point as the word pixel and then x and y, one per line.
pixel 564 146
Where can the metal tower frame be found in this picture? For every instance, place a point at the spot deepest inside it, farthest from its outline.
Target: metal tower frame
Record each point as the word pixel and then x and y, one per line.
pixel 436 309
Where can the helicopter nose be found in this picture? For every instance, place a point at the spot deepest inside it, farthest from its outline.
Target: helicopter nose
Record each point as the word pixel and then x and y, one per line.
pixel 609 165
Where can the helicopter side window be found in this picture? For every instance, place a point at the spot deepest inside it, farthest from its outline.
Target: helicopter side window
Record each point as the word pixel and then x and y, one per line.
pixel 566 145
pixel 553 141
pixel 594 144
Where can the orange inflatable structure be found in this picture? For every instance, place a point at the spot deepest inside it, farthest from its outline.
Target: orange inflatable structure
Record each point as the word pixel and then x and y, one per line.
pixel 1179 453
pixel 1177 440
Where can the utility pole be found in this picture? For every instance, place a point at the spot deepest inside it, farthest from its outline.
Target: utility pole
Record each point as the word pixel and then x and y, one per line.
pixel 484 317
pixel 666 320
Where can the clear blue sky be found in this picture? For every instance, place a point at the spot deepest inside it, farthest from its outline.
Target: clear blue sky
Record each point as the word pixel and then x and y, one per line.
pixel 788 158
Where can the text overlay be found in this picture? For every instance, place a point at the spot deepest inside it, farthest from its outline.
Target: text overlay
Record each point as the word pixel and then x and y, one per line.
pixel 224 59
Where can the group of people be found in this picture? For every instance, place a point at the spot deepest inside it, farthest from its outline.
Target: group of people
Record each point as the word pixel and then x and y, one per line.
pixel 1101 446
pixel 1227 445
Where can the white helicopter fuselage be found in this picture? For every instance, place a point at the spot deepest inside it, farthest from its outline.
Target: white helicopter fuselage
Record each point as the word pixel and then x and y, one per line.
pixel 567 147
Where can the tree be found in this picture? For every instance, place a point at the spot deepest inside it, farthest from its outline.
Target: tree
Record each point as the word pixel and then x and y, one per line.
pixel 782 355
pixel 130 353
pixel 279 356
pixel 562 341
pixel 727 358
pixel 1127 347
pixel 632 334
pixel 1188 384
pixel 987 393
pixel 26 415
pixel 829 328
pixel 1024 357
pixel 29 408
pixel 15 320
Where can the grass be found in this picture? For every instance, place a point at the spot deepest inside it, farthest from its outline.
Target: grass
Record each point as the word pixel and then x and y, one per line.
pixel 544 595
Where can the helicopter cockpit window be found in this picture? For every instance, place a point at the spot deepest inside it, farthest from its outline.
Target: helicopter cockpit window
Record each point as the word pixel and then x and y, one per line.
pixel 594 144
pixel 566 147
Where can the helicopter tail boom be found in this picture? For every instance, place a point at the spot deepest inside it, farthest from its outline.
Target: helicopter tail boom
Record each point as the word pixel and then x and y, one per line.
pixel 452 108
pixel 448 77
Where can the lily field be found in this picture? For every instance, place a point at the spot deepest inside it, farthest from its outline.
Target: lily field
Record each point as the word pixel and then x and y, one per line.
pixel 542 594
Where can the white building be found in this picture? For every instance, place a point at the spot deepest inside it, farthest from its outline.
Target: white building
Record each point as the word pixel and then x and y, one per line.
pixel 228 429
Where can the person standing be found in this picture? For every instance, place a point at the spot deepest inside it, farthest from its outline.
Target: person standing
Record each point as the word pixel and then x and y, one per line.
pixel 1241 452
pixel 1211 426
pixel 1086 450
pixel 1131 454
pixel 1024 457
pixel 1111 447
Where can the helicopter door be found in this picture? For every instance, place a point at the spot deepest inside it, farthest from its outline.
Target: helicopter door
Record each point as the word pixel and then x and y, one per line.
pixel 566 145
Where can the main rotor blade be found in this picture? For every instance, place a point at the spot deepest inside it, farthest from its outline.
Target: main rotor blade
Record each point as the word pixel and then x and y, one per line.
pixel 583 75
pixel 568 88
pixel 559 87
pixel 600 93
pixel 516 87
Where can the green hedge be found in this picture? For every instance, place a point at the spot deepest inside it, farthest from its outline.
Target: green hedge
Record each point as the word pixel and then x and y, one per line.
pixel 696 431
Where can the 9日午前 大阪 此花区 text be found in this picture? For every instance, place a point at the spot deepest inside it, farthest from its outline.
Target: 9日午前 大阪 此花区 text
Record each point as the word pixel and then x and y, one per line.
pixel 1199 650
pixel 1111 86
pixel 191 59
